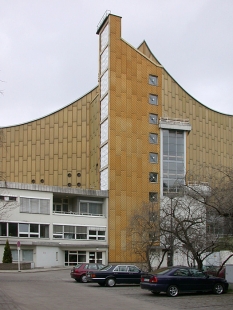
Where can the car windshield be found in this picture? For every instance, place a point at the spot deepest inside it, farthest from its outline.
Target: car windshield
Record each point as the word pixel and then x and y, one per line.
pixel 106 268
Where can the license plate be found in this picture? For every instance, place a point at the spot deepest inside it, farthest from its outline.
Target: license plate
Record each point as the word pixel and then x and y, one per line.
pixel 146 280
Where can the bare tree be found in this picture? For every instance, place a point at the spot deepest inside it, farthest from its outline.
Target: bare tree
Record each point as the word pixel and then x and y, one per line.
pixel 185 220
pixel 145 235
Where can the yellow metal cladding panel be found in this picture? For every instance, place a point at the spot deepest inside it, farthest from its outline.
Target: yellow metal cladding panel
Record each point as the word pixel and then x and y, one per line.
pixel 129 130
pixel 210 140
pixel 48 146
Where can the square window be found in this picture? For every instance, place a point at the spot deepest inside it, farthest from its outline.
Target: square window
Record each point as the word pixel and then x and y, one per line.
pixel 153 80
pixel 153 99
pixel 153 177
pixel 153 158
pixel 153 138
pixel 153 119
pixel 153 197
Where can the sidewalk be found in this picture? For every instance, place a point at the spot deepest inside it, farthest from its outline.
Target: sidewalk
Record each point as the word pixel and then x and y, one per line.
pixel 37 270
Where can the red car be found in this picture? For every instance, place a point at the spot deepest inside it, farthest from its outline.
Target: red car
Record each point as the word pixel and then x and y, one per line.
pixel 79 271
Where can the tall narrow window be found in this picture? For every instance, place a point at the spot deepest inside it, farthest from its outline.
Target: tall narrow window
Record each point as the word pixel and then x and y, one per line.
pixel 173 160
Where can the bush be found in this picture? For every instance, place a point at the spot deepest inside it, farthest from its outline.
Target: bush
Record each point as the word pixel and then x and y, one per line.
pixel 7 255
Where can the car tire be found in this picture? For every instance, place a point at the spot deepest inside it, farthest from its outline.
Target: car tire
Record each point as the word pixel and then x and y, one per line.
pixel 110 282
pixel 83 278
pixel 172 291
pixel 218 289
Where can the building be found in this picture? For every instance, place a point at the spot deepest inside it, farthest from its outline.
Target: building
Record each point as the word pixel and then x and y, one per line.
pixel 132 136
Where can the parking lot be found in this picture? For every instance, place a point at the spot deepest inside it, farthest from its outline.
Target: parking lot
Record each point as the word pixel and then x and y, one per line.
pixel 56 290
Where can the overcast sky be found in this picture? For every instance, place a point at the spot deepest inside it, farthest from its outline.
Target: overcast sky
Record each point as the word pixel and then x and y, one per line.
pixel 49 49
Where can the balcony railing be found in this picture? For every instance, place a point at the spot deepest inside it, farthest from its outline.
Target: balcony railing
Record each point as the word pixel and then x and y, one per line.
pixel 77 213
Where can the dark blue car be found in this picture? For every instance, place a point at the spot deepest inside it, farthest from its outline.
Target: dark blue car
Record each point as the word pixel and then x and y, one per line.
pixel 178 279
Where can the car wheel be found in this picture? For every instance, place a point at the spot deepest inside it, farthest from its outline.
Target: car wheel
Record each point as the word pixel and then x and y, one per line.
pixel 111 282
pixel 172 291
pixel 83 278
pixel 155 293
pixel 218 289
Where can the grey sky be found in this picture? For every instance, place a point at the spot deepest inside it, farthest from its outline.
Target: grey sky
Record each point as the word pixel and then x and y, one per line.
pixel 49 49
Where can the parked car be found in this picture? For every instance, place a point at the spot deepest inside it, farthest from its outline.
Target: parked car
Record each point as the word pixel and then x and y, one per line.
pixel 178 279
pixel 79 271
pixel 116 274
pixel 213 271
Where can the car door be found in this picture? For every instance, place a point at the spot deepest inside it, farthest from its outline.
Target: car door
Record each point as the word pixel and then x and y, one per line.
pixel 134 274
pixel 201 281
pixel 182 278
pixel 120 273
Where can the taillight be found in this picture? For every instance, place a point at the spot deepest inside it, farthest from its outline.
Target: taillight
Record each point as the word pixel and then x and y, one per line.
pixel 153 279
pixel 93 275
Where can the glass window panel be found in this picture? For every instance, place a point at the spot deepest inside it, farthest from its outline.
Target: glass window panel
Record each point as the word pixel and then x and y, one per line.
pixel 44 231
pixel 153 197
pixel 153 157
pixel 153 99
pixel 13 229
pixel 153 177
pixel 23 228
pixel 3 229
pixel 153 80
pixel 34 228
pixel 83 208
pixel 27 255
pixel 153 138
pixel 153 118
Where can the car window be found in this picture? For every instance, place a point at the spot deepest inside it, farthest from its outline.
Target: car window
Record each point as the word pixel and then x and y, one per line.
pixel 197 273
pixel 101 266
pixel 181 272
pixel 133 269
pixel 122 268
pixel 92 266
pixel 106 268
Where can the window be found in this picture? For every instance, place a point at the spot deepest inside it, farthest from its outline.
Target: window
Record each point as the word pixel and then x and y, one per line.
pixel 44 231
pixel 13 229
pixel 153 80
pixel 153 197
pixel 153 158
pixel 81 232
pixel 173 160
pixel 91 208
pixel 153 138
pixel 34 205
pixel 69 232
pixel 153 177
pixel 153 119
pixel 58 231
pixel 27 255
pixel 3 229
pixel 182 273
pixel 96 234
pixel 153 99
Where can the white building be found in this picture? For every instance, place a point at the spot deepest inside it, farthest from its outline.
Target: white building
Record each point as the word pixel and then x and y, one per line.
pixel 55 226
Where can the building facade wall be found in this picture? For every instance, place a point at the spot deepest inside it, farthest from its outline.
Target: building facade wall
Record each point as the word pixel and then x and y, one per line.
pixel 46 150
pixel 210 141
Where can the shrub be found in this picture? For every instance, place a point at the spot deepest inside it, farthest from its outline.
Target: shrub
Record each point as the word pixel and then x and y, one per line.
pixel 7 255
